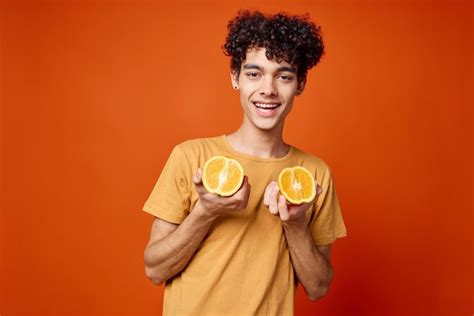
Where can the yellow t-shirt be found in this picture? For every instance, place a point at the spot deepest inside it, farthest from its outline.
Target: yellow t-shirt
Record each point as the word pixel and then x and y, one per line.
pixel 243 265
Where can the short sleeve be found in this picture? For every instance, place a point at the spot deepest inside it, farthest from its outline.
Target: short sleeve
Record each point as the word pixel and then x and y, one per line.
pixel 326 223
pixel 170 197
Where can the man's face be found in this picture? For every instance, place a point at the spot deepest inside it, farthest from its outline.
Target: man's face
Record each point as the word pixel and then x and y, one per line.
pixel 267 89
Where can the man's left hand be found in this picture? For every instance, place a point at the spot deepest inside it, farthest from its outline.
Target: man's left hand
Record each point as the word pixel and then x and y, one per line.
pixel 279 206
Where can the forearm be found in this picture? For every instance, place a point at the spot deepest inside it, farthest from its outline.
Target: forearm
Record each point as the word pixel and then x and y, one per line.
pixel 168 256
pixel 313 270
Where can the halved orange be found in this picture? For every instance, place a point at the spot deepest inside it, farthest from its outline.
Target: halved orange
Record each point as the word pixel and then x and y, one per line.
pixel 297 185
pixel 222 175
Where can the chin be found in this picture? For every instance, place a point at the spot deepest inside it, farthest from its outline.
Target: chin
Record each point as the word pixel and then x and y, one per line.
pixel 263 124
pixel 265 127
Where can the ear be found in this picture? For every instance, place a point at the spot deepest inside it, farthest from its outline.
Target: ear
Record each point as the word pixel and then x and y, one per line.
pixel 301 85
pixel 234 78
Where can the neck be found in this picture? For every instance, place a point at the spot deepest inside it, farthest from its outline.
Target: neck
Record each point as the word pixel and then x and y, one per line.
pixel 259 143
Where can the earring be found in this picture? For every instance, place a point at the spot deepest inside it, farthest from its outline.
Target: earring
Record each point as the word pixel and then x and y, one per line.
pixel 236 88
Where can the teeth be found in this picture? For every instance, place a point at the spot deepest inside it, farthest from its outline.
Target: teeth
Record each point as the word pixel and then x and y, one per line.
pixel 266 105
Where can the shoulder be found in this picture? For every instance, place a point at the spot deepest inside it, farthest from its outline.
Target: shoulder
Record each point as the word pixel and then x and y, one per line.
pixel 317 165
pixel 311 160
pixel 198 144
pixel 194 152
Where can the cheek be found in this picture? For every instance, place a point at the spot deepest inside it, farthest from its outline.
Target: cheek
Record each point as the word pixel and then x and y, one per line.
pixel 289 103
pixel 246 91
pixel 243 99
pixel 290 89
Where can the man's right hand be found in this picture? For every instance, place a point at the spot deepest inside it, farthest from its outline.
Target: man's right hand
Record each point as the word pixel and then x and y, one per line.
pixel 214 205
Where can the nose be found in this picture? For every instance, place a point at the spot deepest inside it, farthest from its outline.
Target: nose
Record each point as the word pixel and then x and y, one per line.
pixel 268 87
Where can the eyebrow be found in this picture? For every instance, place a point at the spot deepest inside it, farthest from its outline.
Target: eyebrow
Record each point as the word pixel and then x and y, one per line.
pixel 279 69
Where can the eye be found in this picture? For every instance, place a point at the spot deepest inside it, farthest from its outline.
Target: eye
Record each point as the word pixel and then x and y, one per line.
pixel 286 78
pixel 252 75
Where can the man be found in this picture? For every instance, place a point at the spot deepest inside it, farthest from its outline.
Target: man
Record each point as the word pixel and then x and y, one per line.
pixel 244 254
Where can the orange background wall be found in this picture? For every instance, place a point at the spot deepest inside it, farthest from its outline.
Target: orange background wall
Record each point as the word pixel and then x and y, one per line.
pixel 96 94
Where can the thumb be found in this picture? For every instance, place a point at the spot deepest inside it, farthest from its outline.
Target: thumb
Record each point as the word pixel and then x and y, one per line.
pixel 197 178
pixel 319 189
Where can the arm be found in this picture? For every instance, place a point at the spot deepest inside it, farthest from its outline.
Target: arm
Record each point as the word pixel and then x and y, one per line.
pixel 311 263
pixel 171 246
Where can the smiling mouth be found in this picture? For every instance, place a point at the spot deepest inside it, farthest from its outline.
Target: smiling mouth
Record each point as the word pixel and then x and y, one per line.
pixel 266 106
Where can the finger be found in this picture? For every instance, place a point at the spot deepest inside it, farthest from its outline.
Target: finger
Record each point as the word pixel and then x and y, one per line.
pixel 267 193
pixel 273 200
pixel 283 208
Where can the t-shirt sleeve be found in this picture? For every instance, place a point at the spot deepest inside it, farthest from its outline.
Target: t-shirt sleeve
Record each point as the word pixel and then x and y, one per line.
pixel 326 223
pixel 170 197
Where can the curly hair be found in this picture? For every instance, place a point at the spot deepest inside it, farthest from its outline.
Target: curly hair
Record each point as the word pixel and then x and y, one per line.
pixel 294 39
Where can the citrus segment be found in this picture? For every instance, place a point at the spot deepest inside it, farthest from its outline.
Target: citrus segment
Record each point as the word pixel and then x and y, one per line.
pixel 297 185
pixel 222 175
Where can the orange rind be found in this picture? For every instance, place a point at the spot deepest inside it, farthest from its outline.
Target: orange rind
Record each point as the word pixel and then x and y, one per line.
pixel 222 175
pixel 297 185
